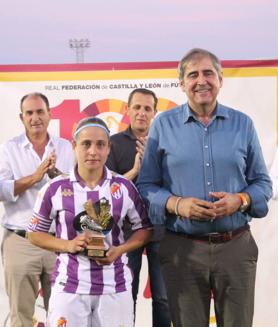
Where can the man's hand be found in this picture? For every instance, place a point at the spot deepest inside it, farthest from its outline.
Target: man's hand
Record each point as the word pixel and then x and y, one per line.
pixel 52 171
pixel 140 146
pixel 137 163
pixel 42 169
pixel 227 203
pixel 24 183
pixel 52 160
pixel 194 208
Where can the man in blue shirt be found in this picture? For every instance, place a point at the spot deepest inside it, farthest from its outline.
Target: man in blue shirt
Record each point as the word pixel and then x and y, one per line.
pixel 203 175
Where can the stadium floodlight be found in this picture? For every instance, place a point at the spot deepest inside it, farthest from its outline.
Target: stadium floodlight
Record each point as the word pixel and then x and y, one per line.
pixel 79 46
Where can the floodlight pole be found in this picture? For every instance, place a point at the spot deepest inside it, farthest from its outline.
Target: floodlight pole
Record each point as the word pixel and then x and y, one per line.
pixel 79 46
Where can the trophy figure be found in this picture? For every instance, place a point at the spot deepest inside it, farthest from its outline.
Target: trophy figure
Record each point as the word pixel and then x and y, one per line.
pixel 97 221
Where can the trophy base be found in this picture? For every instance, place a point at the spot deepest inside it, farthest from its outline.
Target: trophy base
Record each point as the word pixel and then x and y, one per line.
pixel 95 253
pixel 96 248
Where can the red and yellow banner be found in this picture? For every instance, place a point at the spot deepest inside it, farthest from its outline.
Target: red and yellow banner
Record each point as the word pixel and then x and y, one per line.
pixel 77 91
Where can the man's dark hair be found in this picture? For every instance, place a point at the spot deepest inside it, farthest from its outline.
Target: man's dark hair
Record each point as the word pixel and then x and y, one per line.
pixel 197 52
pixel 142 91
pixel 35 95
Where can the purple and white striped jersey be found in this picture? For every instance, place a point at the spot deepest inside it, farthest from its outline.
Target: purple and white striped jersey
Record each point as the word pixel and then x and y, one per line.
pixel 61 201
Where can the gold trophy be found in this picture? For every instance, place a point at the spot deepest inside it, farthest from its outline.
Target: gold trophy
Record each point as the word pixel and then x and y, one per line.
pixel 96 221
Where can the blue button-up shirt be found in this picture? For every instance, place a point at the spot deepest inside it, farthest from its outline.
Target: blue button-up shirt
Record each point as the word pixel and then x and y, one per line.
pixel 183 157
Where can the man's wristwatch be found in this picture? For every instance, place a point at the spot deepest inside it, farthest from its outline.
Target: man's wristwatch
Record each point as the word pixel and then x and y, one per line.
pixel 244 202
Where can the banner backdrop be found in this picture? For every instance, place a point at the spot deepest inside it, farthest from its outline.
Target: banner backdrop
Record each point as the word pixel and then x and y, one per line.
pixel 77 91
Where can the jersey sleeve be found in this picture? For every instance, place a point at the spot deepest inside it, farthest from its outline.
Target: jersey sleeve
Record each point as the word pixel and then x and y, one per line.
pixel 137 212
pixel 43 212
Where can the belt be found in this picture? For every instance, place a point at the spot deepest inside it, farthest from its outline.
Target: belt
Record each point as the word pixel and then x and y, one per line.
pixel 214 237
pixel 22 232
pixel 19 232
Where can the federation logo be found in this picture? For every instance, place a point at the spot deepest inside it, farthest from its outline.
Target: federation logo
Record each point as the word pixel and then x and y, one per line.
pixel 116 191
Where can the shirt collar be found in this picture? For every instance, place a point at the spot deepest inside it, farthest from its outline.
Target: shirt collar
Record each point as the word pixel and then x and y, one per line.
pixel 26 142
pixel 219 112
pixel 74 176
pixel 128 132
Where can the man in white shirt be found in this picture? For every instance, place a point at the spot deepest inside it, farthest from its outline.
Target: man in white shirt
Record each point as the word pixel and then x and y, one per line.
pixel 26 164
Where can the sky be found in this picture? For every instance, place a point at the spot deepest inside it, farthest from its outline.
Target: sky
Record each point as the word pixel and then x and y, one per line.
pixel 38 31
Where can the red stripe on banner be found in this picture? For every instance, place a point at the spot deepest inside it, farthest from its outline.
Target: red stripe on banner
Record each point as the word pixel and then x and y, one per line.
pixel 89 67
pixel 128 66
pixel 249 63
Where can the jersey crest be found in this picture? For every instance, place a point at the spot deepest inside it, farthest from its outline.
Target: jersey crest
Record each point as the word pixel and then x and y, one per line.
pixel 116 190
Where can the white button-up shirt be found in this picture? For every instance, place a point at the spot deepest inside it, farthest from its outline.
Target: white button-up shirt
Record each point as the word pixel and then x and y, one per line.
pixel 18 159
